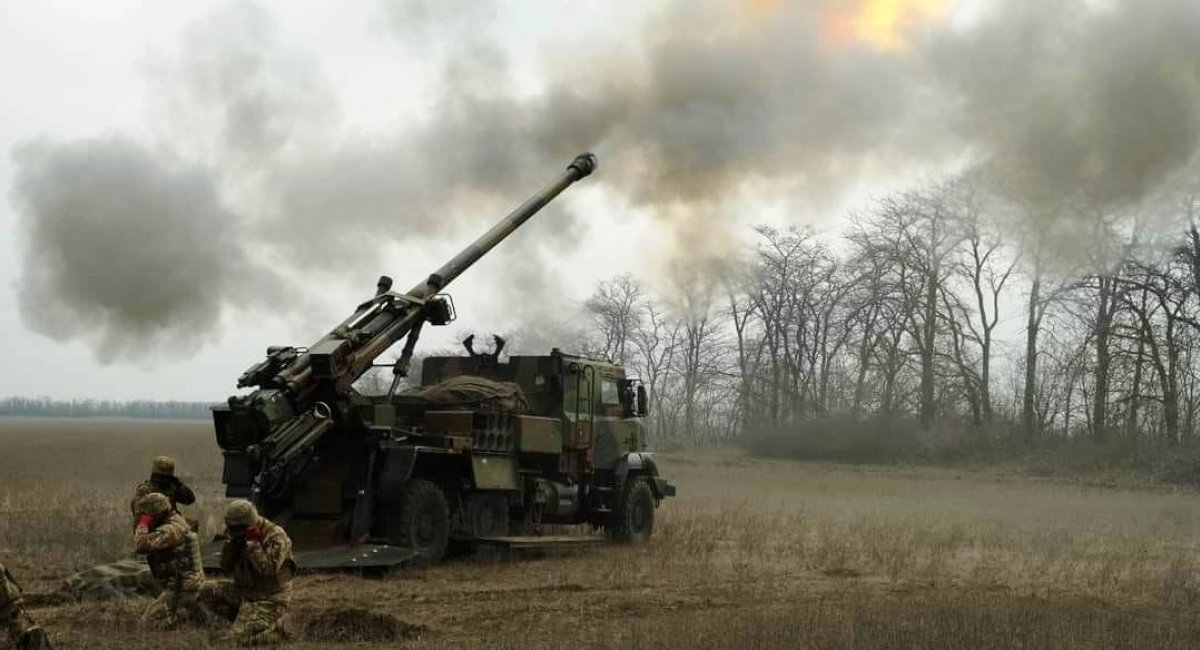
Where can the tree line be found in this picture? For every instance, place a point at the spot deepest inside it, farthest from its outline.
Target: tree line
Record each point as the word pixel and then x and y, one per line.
pixel 956 312
pixel 91 408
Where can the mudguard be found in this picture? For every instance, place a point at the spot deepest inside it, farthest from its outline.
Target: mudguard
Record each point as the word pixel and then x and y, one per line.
pixel 643 463
pixel 395 470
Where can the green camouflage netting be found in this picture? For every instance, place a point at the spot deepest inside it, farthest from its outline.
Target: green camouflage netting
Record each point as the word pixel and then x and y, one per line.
pixel 475 393
pixel 124 579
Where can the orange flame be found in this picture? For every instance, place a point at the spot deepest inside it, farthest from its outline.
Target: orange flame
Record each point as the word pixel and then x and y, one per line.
pixel 883 24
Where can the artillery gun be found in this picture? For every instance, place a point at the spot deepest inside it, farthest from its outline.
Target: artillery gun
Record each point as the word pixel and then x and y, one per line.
pixel 484 452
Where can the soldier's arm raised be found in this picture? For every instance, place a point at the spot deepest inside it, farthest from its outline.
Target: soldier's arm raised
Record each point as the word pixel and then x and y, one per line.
pixel 148 541
pixel 184 494
pixel 270 553
pixel 228 555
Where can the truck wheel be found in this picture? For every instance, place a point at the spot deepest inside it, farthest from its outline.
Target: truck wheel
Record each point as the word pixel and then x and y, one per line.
pixel 487 515
pixel 633 520
pixel 421 521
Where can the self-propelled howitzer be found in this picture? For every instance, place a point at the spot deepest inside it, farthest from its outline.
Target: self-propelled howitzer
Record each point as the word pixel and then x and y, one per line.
pixel 484 450
pixel 301 392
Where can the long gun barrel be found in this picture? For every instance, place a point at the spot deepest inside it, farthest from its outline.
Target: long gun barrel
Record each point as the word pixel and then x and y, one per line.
pixel 582 166
pixel 291 409
pixel 383 321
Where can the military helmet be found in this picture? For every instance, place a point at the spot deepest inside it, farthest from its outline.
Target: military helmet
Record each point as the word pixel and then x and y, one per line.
pixel 153 503
pixel 163 465
pixel 240 512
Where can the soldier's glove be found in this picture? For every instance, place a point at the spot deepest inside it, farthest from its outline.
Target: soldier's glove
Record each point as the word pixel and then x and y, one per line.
pixel 145 520
pixel 253 534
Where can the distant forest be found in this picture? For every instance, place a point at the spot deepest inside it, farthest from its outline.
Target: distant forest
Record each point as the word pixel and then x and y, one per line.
pixel 95 408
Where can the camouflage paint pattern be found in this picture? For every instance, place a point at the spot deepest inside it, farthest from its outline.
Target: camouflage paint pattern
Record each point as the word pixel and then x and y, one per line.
pixel 592 407
pixel 258 597
pixel 293 382
pixel 256 621
pixel 260 568
pixel 172 552
pixel 172 487
pixel 22 631
pixel 304 442
pixel 123 579
pixel 172 608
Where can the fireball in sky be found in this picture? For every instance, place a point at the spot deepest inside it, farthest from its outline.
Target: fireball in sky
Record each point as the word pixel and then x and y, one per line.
pixel 882 24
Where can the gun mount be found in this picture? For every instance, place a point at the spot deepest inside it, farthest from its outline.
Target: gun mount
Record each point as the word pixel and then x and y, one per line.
pixel 309 450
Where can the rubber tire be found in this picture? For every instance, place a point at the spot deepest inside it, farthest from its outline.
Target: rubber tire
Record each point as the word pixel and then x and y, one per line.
pixel 501 525
pixel 421 521
pixel 493 509
pixel 633 520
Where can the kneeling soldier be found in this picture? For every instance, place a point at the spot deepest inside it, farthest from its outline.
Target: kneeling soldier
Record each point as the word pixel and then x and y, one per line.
pixel 23 633
pixel 173 552
pixel 259 555
pixel 163 480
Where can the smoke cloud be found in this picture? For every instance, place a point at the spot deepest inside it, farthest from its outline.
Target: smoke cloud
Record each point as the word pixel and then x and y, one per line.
pixel 1071 96
pixel 234 96
pixel 129 251
pixel 707 103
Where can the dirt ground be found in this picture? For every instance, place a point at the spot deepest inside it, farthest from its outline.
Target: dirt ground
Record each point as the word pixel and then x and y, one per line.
pixel 752 554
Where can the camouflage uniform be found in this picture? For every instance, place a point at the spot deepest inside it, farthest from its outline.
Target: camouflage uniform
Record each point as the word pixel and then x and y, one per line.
pixel 163 481
pixel 172 551
pixel 120 579
pixel 23 633
pixel 259 555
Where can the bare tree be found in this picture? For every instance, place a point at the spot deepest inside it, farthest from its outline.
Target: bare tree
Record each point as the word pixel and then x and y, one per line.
pixel 987 271
pixel 616 308
pixel 656 339
pixel 700 350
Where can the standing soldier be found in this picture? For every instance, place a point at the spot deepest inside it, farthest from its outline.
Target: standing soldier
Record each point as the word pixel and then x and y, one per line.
pixel 259 555
pixel 23 633
pixel 173 552
pixel 163 481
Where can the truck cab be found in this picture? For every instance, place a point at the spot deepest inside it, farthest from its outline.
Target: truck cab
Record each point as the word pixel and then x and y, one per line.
pixel 514 445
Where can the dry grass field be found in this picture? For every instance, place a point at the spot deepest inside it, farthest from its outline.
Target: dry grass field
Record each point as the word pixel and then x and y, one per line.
pixel 753 554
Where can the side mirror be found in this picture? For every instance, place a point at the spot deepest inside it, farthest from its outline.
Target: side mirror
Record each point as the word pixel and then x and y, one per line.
pixel 643 401
pixel 628 403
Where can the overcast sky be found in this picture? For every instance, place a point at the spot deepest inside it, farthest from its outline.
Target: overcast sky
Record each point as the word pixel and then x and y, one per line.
pixel 188 183
pixel 87 70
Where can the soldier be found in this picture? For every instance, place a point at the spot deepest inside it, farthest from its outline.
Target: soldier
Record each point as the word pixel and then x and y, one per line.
pixel 23 633
pixel 163 481
pixel 259 555
pixel 173 552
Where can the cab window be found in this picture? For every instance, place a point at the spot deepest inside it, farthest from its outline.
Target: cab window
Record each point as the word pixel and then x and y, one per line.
pixel 610 393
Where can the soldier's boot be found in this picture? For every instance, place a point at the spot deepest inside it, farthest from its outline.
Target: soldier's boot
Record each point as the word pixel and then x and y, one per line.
pixel 261 622
pixel 34 639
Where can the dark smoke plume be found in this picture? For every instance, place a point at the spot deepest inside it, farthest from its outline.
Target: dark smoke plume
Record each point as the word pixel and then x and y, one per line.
pixel 722 99
pixel 1070 96
pixel 706 104
pixel 237 97
pixel 129 251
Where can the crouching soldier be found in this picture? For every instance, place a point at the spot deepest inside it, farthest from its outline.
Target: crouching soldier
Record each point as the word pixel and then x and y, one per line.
pixel 163 481
pixel 173 552
pixel 23 633
pixel 258 553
